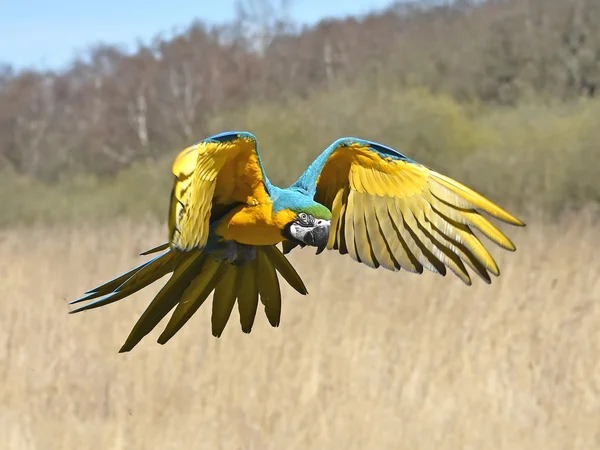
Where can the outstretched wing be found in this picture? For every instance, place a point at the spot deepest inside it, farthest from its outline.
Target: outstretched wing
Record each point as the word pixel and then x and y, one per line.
pixel 211 177
pixel 390 211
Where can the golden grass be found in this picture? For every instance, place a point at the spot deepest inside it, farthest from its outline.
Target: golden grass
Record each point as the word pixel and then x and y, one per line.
pixel 370 359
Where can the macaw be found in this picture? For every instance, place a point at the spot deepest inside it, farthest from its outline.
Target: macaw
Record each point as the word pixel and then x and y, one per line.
pixel 358 197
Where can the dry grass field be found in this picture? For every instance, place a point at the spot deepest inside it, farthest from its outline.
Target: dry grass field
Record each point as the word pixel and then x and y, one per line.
pixel 370 359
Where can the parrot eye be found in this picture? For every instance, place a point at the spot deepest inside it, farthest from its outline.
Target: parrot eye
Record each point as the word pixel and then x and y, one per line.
pixel 304 219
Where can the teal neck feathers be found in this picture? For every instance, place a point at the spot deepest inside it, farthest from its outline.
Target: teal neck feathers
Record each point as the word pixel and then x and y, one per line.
pixel 296 200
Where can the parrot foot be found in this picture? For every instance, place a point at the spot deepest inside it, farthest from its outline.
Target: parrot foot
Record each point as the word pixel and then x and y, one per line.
pixel 236 253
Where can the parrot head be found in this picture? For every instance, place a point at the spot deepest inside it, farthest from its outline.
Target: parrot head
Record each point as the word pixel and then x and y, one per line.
pixel 311 220
pixel 308 230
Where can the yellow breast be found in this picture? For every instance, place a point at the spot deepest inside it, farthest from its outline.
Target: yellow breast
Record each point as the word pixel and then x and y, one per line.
pixel 255 224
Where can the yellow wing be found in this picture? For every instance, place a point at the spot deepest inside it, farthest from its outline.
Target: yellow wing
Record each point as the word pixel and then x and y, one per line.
pixel 390 211
pixel 212 177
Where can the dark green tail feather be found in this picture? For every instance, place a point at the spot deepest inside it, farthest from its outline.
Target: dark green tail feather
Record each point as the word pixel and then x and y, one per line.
pixel 226 292
pixel 268 287
pixel 166 299
pixel 248 297
pixel 195 276
pixel 158 248
pixel 193 297
pixel 128 283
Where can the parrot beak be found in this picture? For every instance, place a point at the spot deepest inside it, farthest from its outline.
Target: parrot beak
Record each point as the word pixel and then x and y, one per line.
pixel 315 234
pixel 318 235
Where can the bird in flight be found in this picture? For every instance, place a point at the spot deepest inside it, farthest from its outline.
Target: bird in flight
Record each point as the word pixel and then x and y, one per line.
pixel 358 197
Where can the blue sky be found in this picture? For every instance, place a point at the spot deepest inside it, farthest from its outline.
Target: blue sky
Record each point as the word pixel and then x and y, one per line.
pixel 49 33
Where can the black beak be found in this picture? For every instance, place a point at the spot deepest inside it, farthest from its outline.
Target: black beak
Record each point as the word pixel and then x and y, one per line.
pixel 317 237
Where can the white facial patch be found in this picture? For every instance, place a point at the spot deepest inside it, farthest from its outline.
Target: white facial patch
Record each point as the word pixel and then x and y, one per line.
pixel 316 232
pixel 298 232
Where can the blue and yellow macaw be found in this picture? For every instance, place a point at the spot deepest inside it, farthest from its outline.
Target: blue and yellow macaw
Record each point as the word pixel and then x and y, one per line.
pixel 358 197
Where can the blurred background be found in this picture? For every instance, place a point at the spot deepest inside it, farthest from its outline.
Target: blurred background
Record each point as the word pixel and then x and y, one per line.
pixel 95 101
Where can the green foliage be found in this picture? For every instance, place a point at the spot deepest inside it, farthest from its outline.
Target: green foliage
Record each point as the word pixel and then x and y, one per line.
pixel 294 132
pixel 533 156
pixel 139 192
pixel 542 155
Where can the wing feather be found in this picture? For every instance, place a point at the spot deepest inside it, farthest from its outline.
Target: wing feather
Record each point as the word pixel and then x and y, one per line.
pixel 398 249
pixel 472 218
pixel 379 245
pixel 447 254
pixel 402 216
pixel 460 233
pixel 337 205
pixel 219 171
pixel 396 220
pixel 428 248
pixel 391 211
pixel 361 239
pixel 349 230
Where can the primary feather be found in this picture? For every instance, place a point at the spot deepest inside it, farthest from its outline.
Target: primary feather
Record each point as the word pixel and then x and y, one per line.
pixel 393 212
